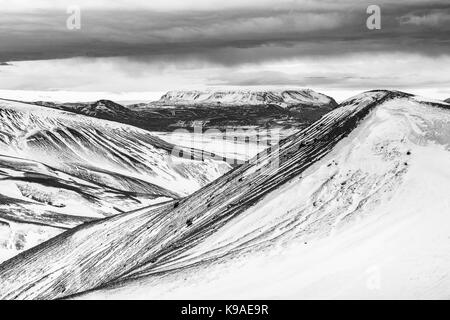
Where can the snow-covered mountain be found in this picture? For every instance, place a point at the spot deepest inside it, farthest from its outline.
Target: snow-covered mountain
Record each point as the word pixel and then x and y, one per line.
pixel 352 206
pixel 103 109
pixel 59 169
pixel 187 109
pixel 282 98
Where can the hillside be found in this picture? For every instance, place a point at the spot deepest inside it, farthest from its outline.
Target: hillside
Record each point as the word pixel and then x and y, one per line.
pixel 59 169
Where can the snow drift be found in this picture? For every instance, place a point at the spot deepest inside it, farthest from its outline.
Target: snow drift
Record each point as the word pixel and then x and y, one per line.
pixel 353 206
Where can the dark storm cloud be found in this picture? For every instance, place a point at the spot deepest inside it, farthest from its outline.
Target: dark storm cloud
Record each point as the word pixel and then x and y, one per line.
pixel 229 36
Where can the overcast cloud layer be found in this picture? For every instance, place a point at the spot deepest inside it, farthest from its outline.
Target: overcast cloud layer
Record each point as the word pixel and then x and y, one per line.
pixel 227 43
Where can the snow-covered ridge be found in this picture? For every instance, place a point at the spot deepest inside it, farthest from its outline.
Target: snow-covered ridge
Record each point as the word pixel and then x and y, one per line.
pixel 283 98
pixel 381 157
pixel 147 234
pixel 369 220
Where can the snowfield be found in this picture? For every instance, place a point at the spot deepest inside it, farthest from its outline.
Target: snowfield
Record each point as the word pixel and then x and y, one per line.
pixel 354 206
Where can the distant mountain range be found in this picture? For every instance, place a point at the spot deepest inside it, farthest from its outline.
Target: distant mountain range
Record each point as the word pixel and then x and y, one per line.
pixel 212 109
pixel 282 98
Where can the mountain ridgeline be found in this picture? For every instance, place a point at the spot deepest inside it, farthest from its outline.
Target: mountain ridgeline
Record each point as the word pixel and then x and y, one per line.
pixel 282 98
pixel 212 109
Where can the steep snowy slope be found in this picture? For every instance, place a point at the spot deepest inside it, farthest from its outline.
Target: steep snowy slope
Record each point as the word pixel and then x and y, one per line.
pixel 331 213
pixel 117 155
pixel 59 169
pixel 282 98
pixel 369 220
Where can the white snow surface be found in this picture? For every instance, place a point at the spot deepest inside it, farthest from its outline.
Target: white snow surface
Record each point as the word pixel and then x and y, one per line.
pixel 369 220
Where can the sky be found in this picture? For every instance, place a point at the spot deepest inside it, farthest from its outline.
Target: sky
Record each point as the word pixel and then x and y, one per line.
pixel 132 50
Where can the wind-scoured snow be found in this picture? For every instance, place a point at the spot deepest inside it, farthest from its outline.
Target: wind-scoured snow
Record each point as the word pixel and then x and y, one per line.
pixel 353 206
pixel 282 98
